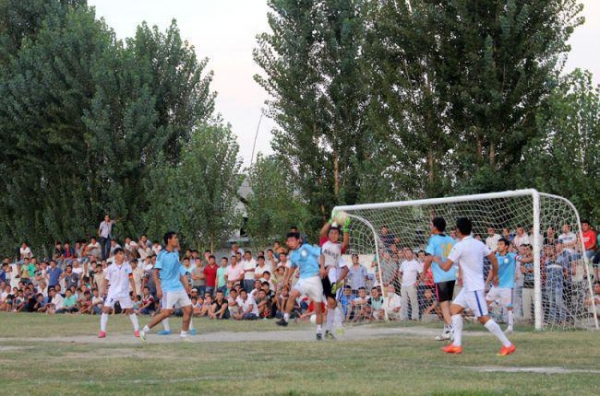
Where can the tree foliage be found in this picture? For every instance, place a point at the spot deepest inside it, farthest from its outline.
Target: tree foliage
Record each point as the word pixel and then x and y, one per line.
pixel 274 204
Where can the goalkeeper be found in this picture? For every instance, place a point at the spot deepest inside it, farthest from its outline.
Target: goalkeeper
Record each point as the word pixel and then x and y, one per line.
pixel 333 267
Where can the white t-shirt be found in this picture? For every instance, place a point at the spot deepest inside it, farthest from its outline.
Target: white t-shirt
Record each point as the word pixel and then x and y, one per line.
pixel 105 228
pixel 249 267
pixel 410 272
pixel 25 252
pixel 469 254
pixel 568 239
pixel 492 241
pixel 58 301
pixel 331 251
pixel 261 270
pixel 521 240
pixel 245 305
pixel 233 273
pixel 118 278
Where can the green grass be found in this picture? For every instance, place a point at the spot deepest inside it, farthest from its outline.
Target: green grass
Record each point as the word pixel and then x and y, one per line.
pixel 403 364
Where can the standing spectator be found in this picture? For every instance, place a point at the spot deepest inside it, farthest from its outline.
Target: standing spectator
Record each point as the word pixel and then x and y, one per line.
pixel 24 252
pixel 131 247
pixel 249 266
pixel 99 277
pixel 138 275
pixel 198 278
pixel 550 237
pixel 235 249
pixel 54 274
pixel 261 267
pixel 589 239
pixel 271 259
pixel 104 232
pixel 568 239
pixel 68 253
pixel 492 240
pixel 554 269
pixel 114 245
pixel 59 253
pixel 526 260
pixel 93 250
pixel 521 238
pixel 70 278
pixel 409 270
pixel 386 237
pixel 210 273
pixel 357 275
pixel 222 276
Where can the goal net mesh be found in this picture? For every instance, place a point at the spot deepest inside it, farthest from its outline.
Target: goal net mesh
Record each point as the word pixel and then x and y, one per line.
pixel 380 233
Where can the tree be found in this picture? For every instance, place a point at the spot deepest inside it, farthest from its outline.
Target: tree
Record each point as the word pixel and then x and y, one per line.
pixel 311 62
pixel 198 196
pixel 274 203
pixel 566 159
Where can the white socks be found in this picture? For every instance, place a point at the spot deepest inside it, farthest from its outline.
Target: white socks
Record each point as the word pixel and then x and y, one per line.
pixel 510 319
pixel 134 319
pixel 493 327
pixel 103 321
pixel 165 323
pixel 330 319
pixel 286 317
pixel 146 329
pixel 319 329
pixel 457 325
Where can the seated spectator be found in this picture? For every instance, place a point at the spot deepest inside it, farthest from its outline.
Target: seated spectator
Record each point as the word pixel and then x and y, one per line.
pixel 345 300
pixel 360 306
pixel 248 308
pixel 377 310
pixel 148 306
pixel 18 301
pixel 392 304
pixel 97 302
pixel 69 303
pixel 85 303
pixel 431 306
pixel 56 301
pixel 40 303
pixel 232 305
pixel 262 303
pixel 595 299
pixel 219 309
pixel 197 305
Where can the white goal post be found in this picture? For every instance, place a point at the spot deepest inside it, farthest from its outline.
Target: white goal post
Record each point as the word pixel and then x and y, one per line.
pixel 562 301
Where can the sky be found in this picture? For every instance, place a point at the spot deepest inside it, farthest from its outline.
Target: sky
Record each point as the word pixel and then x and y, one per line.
pixel 224 31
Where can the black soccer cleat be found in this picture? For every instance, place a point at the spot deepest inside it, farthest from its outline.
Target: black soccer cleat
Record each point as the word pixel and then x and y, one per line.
pixel 319 337
pixel 282 322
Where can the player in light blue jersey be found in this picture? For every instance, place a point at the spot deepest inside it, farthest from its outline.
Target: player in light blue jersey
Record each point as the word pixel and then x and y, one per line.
pixel 440 245
pixel 170 280
pixel 305 258
pixel 503 292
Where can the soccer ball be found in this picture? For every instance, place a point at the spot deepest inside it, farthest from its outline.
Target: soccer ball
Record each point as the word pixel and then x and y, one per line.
pixel 341 218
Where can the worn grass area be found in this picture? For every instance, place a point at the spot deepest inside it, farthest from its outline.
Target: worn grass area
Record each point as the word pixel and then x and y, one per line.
pixel 406 363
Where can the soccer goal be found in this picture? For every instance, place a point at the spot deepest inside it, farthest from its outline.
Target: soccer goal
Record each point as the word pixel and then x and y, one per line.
pixel 562 287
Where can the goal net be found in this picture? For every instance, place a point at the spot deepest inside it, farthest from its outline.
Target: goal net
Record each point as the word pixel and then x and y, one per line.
pixel 541 226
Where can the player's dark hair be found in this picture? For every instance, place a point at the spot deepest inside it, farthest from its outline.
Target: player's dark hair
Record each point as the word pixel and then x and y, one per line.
pixel 168 235
pixel 295 235
pixel 504 241
pixel 464 225
pixel 439 223
pixel 118 250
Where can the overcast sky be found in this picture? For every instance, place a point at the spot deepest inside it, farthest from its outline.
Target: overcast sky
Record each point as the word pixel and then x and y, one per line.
pixel 225 32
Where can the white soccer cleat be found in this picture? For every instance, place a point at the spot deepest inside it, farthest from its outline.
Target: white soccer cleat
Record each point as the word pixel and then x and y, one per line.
pixel 508 330
pixel 444 337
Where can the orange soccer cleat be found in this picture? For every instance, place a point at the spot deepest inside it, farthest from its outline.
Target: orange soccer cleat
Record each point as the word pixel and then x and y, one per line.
pixel 102 334
pixel 451 348
pixel 505 351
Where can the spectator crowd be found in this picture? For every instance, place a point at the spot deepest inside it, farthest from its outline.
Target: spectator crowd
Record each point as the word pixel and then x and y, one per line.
pixel 246 286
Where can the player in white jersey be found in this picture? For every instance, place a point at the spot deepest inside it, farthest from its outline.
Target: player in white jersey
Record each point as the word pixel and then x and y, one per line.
pixel 469 254
pixel 119 276
pixel 333 268
pixel 503 292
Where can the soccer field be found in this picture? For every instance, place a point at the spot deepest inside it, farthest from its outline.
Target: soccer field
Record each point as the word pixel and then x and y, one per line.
pixel 42 354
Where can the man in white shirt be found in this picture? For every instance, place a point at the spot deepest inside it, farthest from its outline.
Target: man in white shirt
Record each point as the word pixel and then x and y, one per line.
pixel 568 239
pixel 409 270
pixel 492 240
pixel 248 309
pixel 521 238
pixel 392 304
pixel 248 266
pixel 469 254
pixel 24 252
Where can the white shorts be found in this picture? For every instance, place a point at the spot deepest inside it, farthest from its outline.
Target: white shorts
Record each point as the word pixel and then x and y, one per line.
pixel 175 299
pixel 473 300
pixel 123 299
pixel 311 287
pixel 502 294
